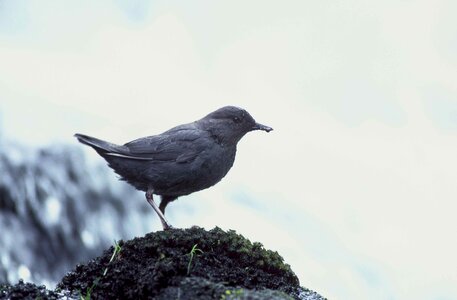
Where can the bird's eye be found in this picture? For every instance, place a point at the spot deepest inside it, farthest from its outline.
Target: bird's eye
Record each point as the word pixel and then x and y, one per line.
pixel 236 120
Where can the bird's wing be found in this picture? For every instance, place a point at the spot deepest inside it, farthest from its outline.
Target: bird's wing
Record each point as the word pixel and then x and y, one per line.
pixel 181 145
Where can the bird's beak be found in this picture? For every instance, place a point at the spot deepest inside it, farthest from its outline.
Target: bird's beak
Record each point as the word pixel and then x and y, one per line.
pixel 258 126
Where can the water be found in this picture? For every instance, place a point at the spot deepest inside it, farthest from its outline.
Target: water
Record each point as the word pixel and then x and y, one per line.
pixel 57 209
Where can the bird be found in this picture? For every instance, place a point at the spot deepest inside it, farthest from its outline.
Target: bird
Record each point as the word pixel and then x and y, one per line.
pixel 182 160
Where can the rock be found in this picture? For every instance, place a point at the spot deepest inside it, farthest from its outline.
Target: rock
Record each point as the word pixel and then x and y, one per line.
pixel 23 290
pixel 225 265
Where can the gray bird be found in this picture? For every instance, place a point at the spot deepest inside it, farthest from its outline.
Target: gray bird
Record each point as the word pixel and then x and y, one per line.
pixel 185 159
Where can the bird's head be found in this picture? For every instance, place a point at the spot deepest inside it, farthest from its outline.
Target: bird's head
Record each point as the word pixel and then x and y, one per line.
pixel 229 124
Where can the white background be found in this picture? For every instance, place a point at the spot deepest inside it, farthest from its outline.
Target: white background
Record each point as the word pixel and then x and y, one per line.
pixel 357 185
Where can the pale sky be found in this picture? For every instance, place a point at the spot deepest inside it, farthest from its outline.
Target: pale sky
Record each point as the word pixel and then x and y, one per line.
pixel 357 185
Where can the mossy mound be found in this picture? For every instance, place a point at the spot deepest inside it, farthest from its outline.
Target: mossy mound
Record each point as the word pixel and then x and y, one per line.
pixel 225 265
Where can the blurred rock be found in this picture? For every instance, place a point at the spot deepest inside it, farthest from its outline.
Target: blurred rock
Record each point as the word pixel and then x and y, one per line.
pixel 57 210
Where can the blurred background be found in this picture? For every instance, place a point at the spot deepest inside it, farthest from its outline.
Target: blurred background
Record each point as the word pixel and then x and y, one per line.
pixel 355 188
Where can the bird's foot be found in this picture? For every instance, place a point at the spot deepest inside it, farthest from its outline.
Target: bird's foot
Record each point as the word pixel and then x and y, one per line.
pixel 167 226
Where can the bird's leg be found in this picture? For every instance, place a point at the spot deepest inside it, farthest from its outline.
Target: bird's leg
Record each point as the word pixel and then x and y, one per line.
pixel 164 202
pixel 150 200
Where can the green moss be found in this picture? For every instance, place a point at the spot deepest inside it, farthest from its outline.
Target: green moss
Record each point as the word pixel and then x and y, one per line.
pixel 232 294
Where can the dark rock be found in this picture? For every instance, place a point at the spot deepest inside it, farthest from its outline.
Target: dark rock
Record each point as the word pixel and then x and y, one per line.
pixel 159 266
pixel 23 290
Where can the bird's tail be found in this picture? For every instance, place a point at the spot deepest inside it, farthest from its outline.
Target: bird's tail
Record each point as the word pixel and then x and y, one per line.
pixel 99 145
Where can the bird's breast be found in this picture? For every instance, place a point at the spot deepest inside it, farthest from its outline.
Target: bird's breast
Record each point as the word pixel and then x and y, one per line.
pixel 217 163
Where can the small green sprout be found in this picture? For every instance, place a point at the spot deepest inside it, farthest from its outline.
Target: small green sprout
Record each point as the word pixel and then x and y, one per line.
pixel 191 257
pixel 117 249
pixel 89 290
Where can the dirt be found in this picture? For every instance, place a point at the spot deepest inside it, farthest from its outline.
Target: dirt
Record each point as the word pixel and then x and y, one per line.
pixel 223 265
